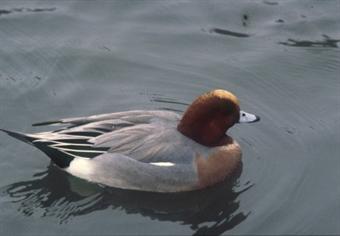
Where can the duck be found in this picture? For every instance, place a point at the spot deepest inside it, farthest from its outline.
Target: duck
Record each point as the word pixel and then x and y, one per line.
pixel 149 150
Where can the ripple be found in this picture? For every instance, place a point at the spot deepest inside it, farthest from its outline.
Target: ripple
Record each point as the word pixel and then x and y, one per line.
pixel 327 42
pixel 15 10
pixel 228 33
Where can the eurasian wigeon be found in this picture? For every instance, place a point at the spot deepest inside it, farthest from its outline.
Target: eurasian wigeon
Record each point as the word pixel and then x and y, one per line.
pixel 157 151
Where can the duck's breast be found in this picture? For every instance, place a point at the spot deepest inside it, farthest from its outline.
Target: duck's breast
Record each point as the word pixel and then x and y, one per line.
pixel 223 162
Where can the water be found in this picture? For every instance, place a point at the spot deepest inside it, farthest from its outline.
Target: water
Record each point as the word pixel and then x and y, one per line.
pixel 73 58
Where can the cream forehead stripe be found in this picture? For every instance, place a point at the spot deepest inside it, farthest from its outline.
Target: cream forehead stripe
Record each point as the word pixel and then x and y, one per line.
pixel 220 93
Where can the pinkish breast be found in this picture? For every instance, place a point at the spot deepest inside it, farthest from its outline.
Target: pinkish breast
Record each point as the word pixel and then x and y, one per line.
pixel 221 164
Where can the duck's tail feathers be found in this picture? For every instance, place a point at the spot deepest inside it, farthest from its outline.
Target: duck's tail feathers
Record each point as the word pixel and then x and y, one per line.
pixel 27 138
pixel 61 159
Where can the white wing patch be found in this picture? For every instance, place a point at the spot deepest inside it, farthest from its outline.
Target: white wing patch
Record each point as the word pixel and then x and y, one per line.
pixel 164 164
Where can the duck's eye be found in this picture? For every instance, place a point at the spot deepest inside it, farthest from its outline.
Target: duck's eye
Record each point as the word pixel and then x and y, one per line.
pixel 243 114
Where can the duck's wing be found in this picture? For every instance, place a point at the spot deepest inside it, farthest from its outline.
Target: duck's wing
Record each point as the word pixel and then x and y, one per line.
pixel 152 142
pixel 88 137
pixel 147 136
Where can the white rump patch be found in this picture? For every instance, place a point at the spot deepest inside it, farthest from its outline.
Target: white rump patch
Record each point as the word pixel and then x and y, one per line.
pixel 81 167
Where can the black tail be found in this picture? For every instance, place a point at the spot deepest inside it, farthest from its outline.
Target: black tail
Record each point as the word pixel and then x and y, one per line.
pixel 21 136
pixel 61 159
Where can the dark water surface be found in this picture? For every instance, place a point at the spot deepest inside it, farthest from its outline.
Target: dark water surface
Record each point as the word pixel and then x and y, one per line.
pixel 74 58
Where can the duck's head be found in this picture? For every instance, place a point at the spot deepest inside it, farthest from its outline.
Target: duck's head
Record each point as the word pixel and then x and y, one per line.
pixel 209 117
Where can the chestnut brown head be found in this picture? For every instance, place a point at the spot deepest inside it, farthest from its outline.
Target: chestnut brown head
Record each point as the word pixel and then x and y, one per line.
pixel 210 115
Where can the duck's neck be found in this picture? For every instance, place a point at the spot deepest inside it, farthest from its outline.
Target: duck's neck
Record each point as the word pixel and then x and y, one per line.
pixel 206 129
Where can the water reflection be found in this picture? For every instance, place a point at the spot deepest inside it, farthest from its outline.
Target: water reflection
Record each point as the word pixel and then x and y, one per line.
pixel 54 193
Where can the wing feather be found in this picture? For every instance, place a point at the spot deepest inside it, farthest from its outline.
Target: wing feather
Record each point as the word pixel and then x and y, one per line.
pixel 132 133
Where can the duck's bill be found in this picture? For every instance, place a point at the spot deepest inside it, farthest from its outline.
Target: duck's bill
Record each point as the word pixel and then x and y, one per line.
pixel 246 117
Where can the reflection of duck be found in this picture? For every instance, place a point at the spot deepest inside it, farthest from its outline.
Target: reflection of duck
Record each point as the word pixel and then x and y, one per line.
pixel 209 211
pixel 150 150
